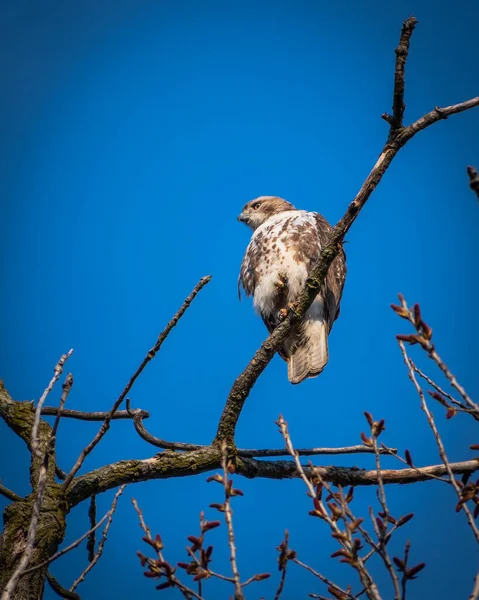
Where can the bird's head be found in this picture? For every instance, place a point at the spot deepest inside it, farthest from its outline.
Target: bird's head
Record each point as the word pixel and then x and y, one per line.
pixel 259 210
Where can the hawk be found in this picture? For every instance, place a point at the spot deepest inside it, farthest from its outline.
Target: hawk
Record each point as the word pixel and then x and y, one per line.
pixel 285 245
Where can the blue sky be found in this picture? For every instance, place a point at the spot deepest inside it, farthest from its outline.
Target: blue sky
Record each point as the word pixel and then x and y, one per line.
pixel 131 136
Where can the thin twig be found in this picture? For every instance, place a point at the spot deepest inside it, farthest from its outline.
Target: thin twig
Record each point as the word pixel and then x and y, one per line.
pixel 440 445
pixel 149 356
pixel 67 386
pixel 69 548
pixel 151 439
pixel 404 579
pixel 228 513
pixel 4 491
pixel 60 590
pixel 424 338
pixel 473 180
pixel 382 533
pixel 101 544
pixel 281 583
pixel 417 469
pixel 462 407
pixel 452 379
pixel 364 575
pixel 186 591
pixel 60 473
pixel 143 525
pixel 474 595
pixel 57 371
pixel 90 545
pixel 324 579
pixel 51 411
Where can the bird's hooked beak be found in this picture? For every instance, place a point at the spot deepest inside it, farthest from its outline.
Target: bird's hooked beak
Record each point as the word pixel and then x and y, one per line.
pixel 242 218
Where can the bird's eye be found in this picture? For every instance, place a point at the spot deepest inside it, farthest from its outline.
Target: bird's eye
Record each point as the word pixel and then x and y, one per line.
pixel 256 205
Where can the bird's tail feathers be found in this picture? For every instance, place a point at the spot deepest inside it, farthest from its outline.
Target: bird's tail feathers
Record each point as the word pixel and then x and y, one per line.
pixel 310 358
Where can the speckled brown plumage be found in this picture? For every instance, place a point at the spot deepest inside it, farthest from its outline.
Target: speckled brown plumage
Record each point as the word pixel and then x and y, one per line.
pixel 285 246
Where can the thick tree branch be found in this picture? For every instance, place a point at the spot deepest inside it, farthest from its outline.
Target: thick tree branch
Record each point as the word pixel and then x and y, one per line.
pixel 179 464
pixel 398 137
pixel 473 180
pixel 162 466
pixel 353 475
pixel 150 355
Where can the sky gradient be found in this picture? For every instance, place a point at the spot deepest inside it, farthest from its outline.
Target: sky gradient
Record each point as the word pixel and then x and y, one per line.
pixel 131 135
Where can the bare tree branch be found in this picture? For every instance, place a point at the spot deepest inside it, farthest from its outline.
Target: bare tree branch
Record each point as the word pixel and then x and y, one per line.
pixel 398 137
pixel 172 579
pixel 460 406
pixel 160 443
pixel 4 491
pixel 60 590
pixel 376 429
pixel 324 579
pixel 52 411
pixel 150 355
pixel 402 51
pixel 473 180
pixel 57 371
pixel 67 386
pixel 228 513
pixel 91 542
pixel 346 542
pixel 440 445
pixel 151 439
pixel 474 595
pixel 101 544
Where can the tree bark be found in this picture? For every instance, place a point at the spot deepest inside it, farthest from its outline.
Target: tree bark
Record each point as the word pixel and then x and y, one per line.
pixel 19 416
pixel 50 534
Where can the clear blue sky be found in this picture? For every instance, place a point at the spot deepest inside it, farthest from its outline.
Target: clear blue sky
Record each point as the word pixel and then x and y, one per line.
pixel 131 136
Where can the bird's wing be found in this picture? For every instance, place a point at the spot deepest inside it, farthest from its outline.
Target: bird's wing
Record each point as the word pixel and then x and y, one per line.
pixel 333 288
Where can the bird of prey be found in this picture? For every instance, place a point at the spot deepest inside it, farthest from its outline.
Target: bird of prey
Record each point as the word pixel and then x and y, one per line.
pixel 285 245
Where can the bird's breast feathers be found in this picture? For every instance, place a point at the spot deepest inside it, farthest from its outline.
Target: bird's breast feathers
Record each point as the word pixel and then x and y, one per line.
pixel 277 258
